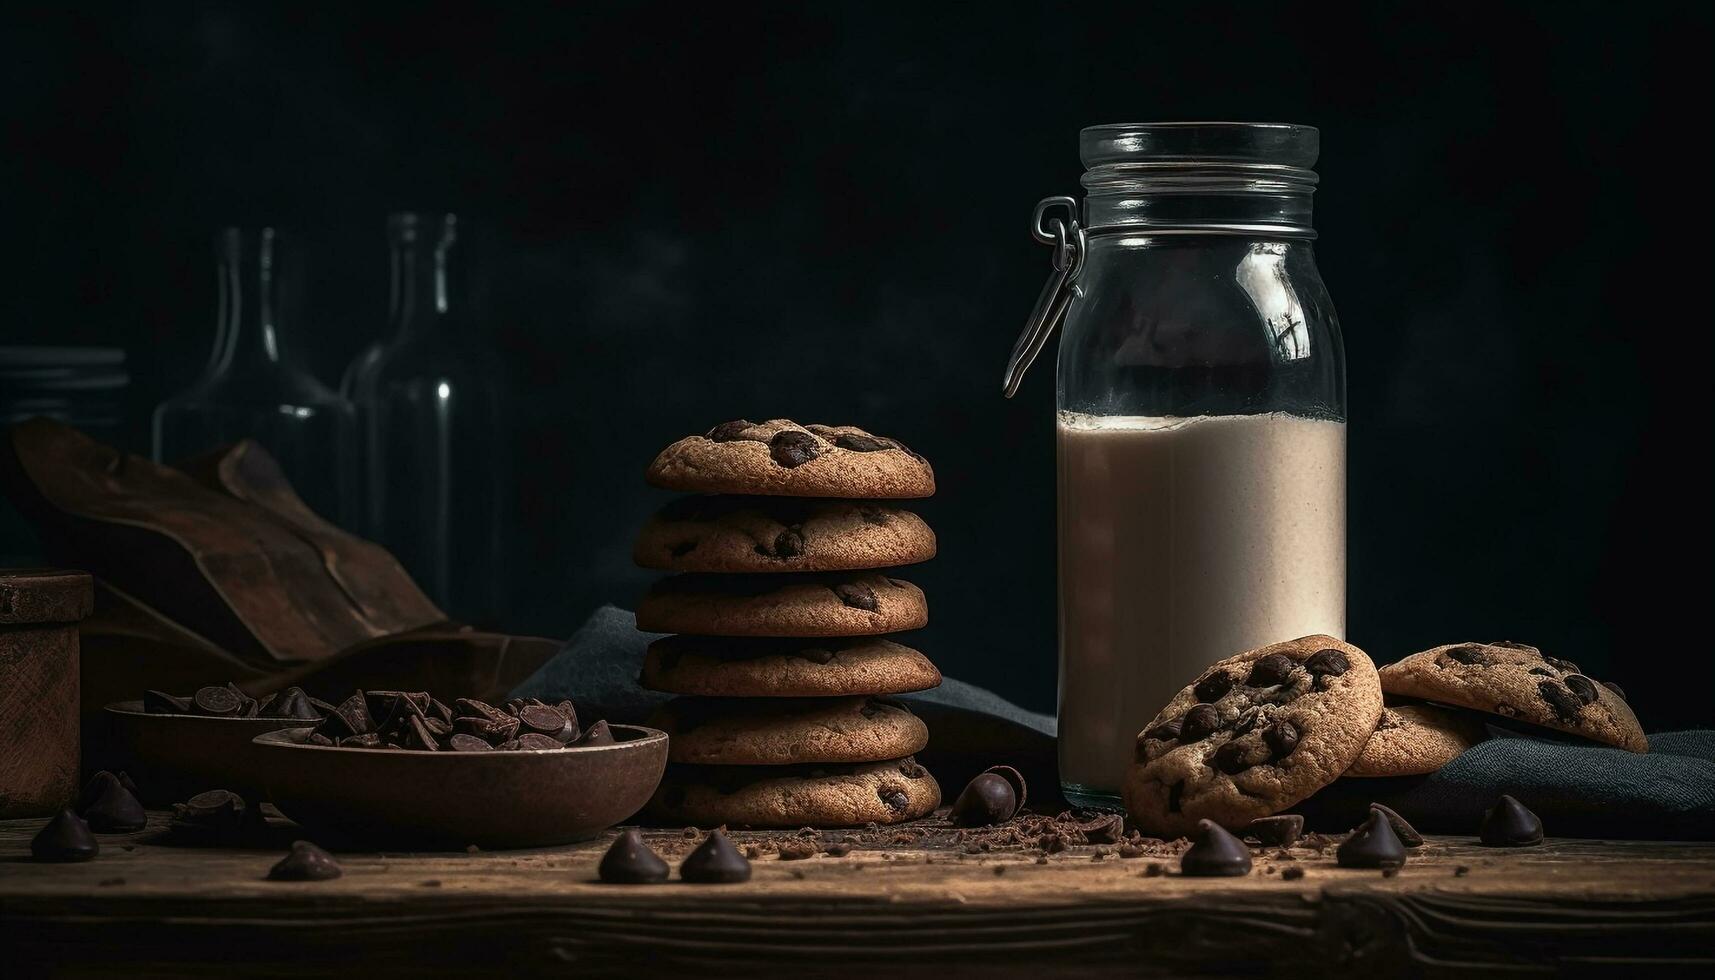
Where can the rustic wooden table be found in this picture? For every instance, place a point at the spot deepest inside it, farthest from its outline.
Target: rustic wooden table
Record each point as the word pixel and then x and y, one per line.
pixel 917 905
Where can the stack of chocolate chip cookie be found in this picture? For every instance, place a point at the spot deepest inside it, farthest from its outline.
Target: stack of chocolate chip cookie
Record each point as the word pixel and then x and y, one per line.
pixel 779 612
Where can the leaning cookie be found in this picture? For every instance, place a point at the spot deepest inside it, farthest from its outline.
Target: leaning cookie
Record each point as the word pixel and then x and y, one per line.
pixel 758 667
pixel 1412 739
pixel 827 604
pixel 796 796
pixel 1516 681
pixel 783 458
pixel 788 731
pixel 1255 734
pixel 781 534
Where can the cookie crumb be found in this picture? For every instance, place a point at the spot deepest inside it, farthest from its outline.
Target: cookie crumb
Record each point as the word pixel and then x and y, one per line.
pixel 1155 870
pixel 1389 872
pixel 1460 871
pixel 999 870
pixel 432 883
pixel 1041 859
pixel 1291 874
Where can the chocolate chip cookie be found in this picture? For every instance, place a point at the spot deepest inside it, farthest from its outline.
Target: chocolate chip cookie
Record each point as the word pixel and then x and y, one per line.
pixel 1515 680
pixel 827 604
pixel 781 534
pixel 784 668
pixel 796 796
pixel 1253 735
pixel 1412 739
pixel 783 458
pixel 788 731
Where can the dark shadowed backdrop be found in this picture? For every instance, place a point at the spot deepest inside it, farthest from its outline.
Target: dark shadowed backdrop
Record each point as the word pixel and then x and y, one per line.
pixel 684 214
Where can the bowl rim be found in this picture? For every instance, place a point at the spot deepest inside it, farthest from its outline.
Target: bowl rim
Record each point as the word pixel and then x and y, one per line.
pixel 279 739
pixel 134 709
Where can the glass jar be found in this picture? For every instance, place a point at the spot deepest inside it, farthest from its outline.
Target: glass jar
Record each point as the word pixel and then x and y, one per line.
pixel 428 405
pixel 1201 438
pixel 251 388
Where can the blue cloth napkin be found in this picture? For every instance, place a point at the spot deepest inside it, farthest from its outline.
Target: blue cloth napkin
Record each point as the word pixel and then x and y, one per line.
pixel 1579 790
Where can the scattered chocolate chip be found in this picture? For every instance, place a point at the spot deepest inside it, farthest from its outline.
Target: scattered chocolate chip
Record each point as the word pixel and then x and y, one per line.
pixel 839 850
pixel 715 862
pixel 109 807
pixel 1215 854
pixel 1510 824
pixel 1406 833
pixel 597 734
pixel 1154 869
pixel 1619 691
pixel 1212 687
pixel 1282 737
pixel 1008 773
pixel 986 800
pixel 1282 830
pixel 857 595
pixel 1104 829
pixel 1271 670
pixel 728 431
pixel 1582 686
pixel 791 448
pixel 797 850
pixel 1327 663
pixel 1052 843
pixel 629 861
pixel 1460 871
pixel 1470 654
pixel 162 703
pixel 1199 723
pixel 1564 703
pixel 305 862
pixel 1291 874
pixel 1372 845
pixel 64 839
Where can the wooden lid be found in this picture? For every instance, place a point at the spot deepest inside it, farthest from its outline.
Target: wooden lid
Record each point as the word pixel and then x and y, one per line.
pixel 45 595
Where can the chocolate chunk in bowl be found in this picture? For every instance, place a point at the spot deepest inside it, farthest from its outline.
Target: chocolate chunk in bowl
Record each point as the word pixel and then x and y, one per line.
pixel 173 755
pixel 512 796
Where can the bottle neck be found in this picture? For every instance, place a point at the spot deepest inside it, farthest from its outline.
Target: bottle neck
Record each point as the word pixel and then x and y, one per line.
pixel 246 328
pixel 1175 198
pixel 422 276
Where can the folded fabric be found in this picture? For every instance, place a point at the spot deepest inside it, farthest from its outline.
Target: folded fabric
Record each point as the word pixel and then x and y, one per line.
pixel 1579 790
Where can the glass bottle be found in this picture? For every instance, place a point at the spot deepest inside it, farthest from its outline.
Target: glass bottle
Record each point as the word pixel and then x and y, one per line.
pixel 1201 439
pixel 250 388
pixel 429 408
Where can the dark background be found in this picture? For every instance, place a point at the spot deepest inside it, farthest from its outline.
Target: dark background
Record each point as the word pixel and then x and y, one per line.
pixel 819 212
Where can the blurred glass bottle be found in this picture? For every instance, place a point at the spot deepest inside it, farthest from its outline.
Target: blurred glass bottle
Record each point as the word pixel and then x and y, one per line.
pixel 251 389
pixel 428 405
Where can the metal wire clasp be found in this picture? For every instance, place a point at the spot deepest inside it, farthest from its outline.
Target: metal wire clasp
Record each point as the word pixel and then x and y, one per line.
pixel 1067 238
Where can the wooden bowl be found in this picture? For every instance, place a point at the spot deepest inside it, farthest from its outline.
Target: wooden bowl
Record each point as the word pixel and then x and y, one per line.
pixel 173 757
pixel 400 797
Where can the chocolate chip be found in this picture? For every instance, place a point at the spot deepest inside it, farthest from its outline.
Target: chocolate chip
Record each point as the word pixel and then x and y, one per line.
pixel 857 595
pixel 1619 691
pixel 1564 666
pixel 1510 824
pixel 986 800
pixel 368 740
pixel 64 839
pixel 162 703
pixel 1019 791
pixel 896 799
pixel 1107 828
pixel 1235 757
pixel 1270 670
pixel 1541 671
pixel 111 808
pixel 715 862
pixel 1372 845
pixel 728 431
pixel 419 736
pixel 1406 833
pixel 1327 663
pixel 1167 731
pixel 1212 687
pixel 1277 831
pixel 1582 686
pixel 1215 854
pixel 911 770
pixel 1470 654
pixel 1199 723
pixel 317 738
pixel 863 444
pixel 629 861
pixel 216 701
pixel 537 742
pixel 597 734
pixel 305 862
pixel 789 543
pixel 489 730
pixel 291 703
pixel 791 448
pixel 541 719
pixel 1564 702
pixel 468 743
pixel 1282 737
pixel 1291 874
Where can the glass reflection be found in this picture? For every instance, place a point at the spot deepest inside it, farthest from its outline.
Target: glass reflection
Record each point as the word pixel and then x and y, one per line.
pixel 1262 275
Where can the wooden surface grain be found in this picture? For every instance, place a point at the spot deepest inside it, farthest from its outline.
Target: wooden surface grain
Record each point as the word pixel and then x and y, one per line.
pixel 916 907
